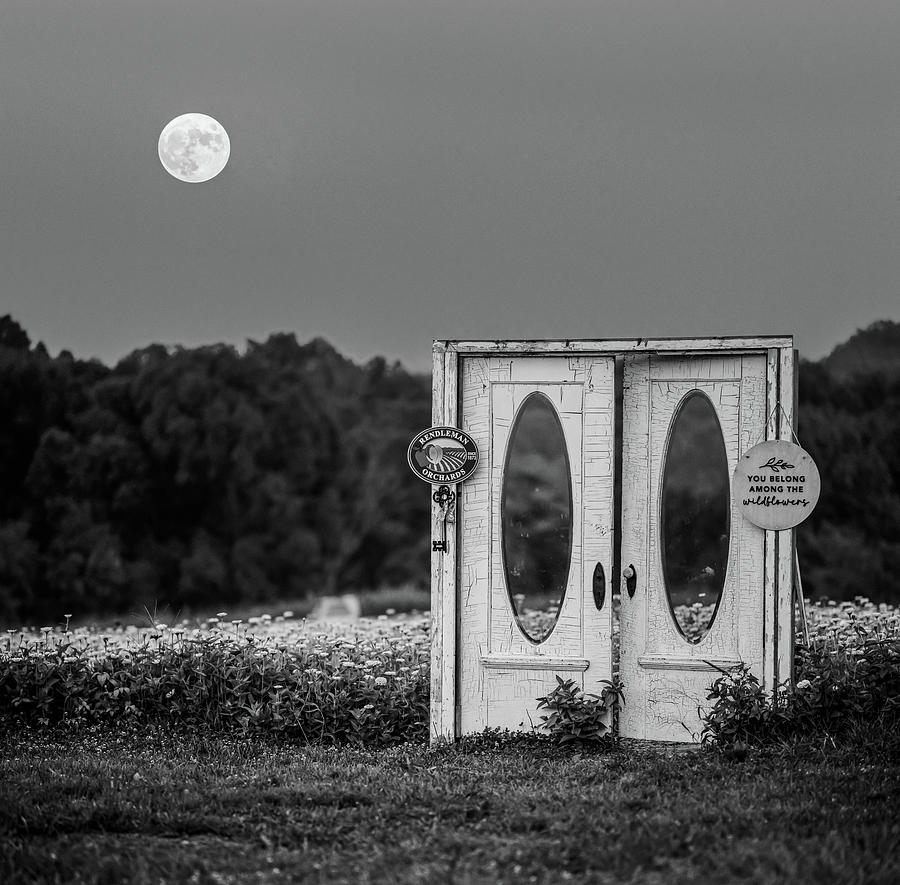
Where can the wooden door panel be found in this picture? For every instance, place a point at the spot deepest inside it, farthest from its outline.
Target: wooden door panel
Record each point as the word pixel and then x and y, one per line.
pixel 501 673
pixel 666 677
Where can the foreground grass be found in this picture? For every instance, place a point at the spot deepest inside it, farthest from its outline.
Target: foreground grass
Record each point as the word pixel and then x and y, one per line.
pixel 147 805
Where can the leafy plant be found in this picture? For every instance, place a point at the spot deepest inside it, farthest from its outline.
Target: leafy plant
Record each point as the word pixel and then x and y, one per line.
pixel 367 682
pixel 371 688
pixel 577 715
pixel 837 685
pixel 742 713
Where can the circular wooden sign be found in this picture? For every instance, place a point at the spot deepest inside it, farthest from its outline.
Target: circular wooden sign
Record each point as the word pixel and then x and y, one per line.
pixel 443 455
pixel 776 484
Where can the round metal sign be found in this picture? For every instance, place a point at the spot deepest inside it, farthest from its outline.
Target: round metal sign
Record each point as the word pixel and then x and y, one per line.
pixel 776 484
pixel 443 455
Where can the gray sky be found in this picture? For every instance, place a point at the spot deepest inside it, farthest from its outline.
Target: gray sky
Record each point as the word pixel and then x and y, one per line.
pixel 408 170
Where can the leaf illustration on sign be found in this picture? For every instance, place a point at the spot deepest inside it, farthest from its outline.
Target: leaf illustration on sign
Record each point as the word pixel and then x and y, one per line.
pixel 776 465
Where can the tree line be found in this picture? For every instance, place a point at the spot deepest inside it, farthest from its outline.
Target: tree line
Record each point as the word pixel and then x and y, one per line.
pixel 197 477
pixel 850 424
pixel 204 476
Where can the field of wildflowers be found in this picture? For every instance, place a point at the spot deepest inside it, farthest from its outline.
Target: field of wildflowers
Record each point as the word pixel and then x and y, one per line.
pixel 847 674
pixel 363 681
pixel 126 760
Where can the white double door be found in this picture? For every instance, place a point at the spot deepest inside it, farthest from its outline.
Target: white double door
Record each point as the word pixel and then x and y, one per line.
pixel 538 542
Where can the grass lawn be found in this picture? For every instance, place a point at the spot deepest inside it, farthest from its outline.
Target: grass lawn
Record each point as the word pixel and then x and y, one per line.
pixel 143 804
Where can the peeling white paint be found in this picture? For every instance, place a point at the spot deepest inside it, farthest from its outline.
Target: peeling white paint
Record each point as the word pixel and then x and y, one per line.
pixel 491 696
pixel 665 706
pixel 484 672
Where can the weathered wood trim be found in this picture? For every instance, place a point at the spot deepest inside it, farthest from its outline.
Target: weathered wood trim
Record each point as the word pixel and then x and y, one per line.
pixel 443 567
pixel 784 653
pixel 751 539
pixel 538 662
pixel 634 541
pixel 770 595
pixel 474 557
pixel 617 345
pixel 438 726
pixel 450 559
pixel 664 662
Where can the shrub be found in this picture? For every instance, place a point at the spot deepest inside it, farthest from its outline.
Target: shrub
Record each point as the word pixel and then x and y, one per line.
pixel 577 715
pixel 835 688
pixel 361 689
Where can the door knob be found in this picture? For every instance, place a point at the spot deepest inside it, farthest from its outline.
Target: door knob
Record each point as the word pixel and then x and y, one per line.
pixel 630 575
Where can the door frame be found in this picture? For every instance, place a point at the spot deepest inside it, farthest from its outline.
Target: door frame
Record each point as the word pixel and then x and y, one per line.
pixel 781 392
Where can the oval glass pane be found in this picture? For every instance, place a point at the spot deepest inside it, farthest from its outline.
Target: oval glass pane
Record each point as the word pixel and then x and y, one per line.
pixel 536 517
pixel 696 516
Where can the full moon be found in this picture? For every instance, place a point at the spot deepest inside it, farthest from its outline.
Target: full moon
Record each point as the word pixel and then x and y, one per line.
pixel 194 147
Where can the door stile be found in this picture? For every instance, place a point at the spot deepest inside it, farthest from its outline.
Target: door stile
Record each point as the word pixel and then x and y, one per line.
pixel 444 411
pixel 598 518
pixel 474 562
pixel 751 561
pixel 786 538
pixel 634 547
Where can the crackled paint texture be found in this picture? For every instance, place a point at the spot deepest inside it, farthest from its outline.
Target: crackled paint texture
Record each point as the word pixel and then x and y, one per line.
pixel 501 673
pixel 666 677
